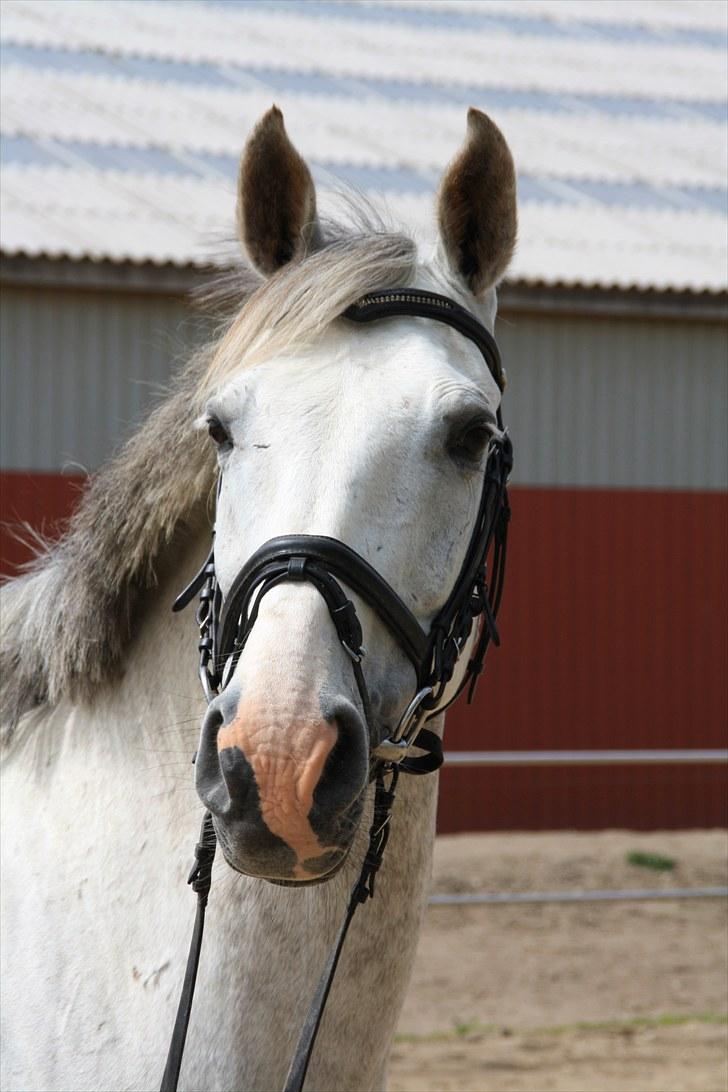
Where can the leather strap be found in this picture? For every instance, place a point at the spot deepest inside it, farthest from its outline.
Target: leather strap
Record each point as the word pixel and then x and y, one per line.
pixel 362 890
pixel 418 303
pixel 200 879
pixel 430 761
pixel 344 563
pixel 310 558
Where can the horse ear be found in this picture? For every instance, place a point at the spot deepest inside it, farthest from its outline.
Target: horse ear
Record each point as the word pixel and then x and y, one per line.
pixel 477 205
pixel 276 197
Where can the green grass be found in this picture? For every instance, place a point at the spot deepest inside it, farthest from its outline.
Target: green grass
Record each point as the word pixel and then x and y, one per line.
pixel 655 861
pixel 474 1027
pixel 458 1031
pixel 665 1020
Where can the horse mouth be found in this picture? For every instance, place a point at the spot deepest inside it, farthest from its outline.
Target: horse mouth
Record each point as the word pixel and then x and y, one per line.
pixel 340 858
pixel 323 877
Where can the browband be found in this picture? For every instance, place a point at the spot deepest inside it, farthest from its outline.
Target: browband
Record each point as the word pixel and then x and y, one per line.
pixel 417 303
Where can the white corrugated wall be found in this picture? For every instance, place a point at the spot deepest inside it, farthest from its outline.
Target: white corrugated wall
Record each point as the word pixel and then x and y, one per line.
pixel 78 369
pixel 616 402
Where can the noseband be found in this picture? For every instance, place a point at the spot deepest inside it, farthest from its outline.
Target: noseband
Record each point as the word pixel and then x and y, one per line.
pixel 325 562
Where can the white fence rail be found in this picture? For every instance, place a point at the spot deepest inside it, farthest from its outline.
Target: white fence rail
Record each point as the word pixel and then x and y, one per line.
pixel 585 758
pixel 582 758
pixel 624 895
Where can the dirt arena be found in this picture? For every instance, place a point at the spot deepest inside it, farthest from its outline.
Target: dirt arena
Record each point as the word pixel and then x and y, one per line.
pixel 591 997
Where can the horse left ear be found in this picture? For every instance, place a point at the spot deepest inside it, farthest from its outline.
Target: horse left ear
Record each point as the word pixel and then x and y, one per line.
pixel 477 205
pixel 276 197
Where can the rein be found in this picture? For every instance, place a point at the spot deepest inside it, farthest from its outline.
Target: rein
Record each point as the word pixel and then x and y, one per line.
pixel 323 562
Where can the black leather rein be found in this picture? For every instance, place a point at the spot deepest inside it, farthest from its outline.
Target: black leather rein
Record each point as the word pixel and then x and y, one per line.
pixel 326 563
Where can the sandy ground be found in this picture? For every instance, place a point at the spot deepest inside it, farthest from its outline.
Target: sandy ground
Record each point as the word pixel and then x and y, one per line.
pixel 586 998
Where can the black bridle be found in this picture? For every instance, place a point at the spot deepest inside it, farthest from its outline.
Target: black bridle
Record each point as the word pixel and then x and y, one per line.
pixel 324 562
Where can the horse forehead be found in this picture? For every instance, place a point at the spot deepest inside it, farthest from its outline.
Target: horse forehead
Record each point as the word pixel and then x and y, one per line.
pixel 375 368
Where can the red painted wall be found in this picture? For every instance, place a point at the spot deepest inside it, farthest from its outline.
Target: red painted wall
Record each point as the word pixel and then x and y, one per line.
pixel 42 500
pixel 614 635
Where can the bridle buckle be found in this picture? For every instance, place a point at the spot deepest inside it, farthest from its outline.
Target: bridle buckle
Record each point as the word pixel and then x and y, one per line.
pixel 397 746
pixel 358 656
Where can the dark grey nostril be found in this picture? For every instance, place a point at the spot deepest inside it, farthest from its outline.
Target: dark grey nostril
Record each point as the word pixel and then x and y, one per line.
pixel 344 777
pixel 212 786
pixel 223 776
pixel 209 781
pixel 226 786
pixel 226 704
pixel 347 767
pixel 238 778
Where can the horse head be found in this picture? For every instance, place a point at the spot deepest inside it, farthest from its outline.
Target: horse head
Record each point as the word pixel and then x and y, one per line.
pixel 375 436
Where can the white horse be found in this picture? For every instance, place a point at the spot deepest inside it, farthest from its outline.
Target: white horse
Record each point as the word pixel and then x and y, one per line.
pixel 374 435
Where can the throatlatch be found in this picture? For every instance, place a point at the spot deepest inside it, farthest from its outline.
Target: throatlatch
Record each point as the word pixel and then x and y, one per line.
pixel 324 562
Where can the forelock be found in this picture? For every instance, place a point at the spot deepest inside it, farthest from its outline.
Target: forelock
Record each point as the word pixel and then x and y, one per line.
pixel 297 304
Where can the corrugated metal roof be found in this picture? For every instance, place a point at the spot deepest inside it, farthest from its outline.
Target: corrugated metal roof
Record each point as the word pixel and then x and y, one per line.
pixel 122 122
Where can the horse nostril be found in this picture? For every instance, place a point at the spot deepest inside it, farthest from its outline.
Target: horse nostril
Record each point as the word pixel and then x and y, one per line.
pixel 209 778
pixel 214 720
pixel 347 767
pixel 225 705
pixel 239 780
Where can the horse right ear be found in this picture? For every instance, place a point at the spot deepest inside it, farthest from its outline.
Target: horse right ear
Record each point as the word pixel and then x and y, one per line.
pixel 276 211
pixel 477 206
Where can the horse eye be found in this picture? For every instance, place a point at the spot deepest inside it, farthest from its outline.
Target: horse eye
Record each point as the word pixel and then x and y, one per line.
pixel 218 432
pixel 469 444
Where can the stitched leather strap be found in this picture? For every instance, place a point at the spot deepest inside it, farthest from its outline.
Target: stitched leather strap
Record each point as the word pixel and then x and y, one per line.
pixel 418 303
pixel 200 879
pixel 344 563
pixel 363 889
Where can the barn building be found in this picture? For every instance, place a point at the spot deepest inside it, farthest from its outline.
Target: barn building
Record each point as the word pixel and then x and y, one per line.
pixel 121 127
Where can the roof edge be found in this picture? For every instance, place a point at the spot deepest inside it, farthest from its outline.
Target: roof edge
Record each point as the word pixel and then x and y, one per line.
pixel 595 301
pixel 166 279
pixel 170 279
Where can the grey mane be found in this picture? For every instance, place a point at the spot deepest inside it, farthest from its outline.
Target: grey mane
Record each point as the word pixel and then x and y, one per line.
pixel 67 622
